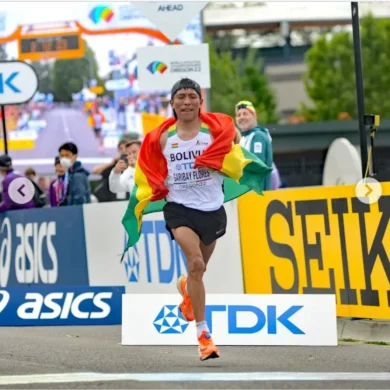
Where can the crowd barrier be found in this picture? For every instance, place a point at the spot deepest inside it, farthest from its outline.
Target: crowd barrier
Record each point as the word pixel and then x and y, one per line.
pixel 298 241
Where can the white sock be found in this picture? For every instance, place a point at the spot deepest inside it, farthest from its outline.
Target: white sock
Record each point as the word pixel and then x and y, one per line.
pixel 200 327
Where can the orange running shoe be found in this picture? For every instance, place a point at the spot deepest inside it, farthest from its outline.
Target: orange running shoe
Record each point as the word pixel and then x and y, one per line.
pixel 207 349
pixel 186 306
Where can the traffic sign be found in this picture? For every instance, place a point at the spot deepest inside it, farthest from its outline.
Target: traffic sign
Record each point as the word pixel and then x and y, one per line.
pixel 169 17
pixel 18 82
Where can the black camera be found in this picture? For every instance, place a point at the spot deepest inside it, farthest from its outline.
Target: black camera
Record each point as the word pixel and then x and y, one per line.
pixel 372 120
pixel 123 157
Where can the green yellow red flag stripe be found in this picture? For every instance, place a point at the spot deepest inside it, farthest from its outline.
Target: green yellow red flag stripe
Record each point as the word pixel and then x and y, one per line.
pixel 243 170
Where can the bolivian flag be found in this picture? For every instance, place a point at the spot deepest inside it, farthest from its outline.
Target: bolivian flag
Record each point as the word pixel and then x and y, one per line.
pixel 243 170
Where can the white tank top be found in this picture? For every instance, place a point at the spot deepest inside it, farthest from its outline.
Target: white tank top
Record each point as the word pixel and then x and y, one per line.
pixel 188 186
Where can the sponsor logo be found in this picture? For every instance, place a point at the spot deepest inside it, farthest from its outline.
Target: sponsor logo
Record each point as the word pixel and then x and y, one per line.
pixel 33 241
pixel 101 12
pixel 155 258
pixel 34 248
pixel 170 321
pixel 128 12
pixel 61 306
pixel 240 319
pixel 157 67
pixel 185 66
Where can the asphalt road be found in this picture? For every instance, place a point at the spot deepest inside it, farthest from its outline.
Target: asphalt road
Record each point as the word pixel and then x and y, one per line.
pixel 63 125
pixel 67 351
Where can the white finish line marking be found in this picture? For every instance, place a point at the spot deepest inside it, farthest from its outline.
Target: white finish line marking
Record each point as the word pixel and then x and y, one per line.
pixel 194 377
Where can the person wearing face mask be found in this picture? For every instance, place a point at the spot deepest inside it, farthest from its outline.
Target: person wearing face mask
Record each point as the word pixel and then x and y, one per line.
pixel 59 185
pixel 121 178
pixel 9 175
pixel 78 189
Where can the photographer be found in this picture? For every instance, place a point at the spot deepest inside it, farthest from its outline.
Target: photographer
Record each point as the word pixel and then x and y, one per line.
pixel 121 178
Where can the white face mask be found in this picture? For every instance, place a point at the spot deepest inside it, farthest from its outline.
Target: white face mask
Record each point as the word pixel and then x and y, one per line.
pixel 66 162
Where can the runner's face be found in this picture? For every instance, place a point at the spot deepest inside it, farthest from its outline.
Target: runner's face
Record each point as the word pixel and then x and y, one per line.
pixel 186 104
pixel 245 120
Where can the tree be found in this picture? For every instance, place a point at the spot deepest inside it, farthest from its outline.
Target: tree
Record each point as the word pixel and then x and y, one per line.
pixel 257 89
pixel 330 77
pixel 226 89
pixel 236 79
pixel 70 76
pixel 44 72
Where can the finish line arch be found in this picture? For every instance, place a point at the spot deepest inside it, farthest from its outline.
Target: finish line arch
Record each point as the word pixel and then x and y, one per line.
pixel 18 33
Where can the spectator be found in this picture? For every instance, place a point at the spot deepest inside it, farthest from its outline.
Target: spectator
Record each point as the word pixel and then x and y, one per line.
pixel 255 138
pixel 44 184
pixel 30 173
pixel 58 187
pixel 7 171
pixel 78 190
pixel 102 191
pixel 122 176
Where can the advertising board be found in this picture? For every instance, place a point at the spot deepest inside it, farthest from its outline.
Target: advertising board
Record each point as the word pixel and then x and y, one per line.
pixel 160 67
pixel 43 247
pixel 320 240
pixel 61 305
pixel 155 263
pixel 233 319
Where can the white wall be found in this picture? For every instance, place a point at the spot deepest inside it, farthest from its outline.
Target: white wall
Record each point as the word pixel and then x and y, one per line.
pixel 160 261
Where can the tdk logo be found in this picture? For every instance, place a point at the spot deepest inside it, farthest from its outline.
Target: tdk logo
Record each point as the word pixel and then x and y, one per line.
pixel 65 305
pixel 132 264
pixel 155 258
pixel 170 321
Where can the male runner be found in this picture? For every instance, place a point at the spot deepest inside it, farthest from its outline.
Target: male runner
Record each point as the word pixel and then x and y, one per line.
pixel 184 161
pixel 96 120
pixel 194 213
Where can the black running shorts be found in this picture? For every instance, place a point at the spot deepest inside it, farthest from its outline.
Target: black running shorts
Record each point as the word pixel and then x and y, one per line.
pixel 208 225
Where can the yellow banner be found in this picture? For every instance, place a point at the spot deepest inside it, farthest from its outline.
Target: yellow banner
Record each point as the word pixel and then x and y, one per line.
pixel 151 121
pixel 317 241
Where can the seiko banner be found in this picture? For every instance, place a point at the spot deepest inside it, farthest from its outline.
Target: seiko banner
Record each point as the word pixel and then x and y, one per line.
pixel 319 241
